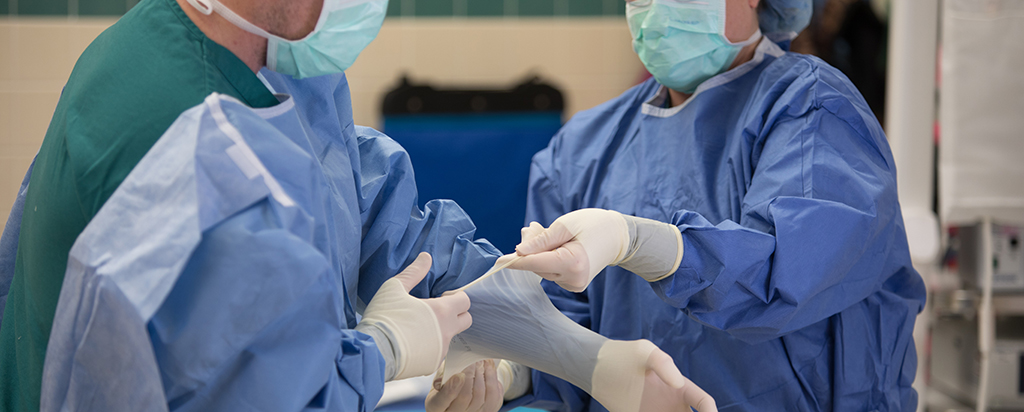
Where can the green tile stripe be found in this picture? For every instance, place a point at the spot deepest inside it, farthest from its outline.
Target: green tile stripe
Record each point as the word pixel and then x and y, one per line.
pixel 507 8
pixel 396 8
pixel 65 7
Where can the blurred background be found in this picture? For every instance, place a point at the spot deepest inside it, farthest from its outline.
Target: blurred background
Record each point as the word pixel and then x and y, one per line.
pixel 580 47
pixel 480 85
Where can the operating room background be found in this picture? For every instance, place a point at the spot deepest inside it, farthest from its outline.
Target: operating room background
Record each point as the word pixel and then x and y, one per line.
pixel 581 47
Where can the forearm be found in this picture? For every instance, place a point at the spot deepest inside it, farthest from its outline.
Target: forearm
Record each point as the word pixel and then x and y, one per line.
pixel 757 286
pixel 442 229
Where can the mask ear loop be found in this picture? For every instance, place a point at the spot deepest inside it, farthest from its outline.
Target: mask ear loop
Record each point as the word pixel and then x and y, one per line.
pixel 203 6
pixel 753 38
pixel 207 7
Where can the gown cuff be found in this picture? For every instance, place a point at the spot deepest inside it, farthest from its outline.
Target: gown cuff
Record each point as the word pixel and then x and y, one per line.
pixel 387 350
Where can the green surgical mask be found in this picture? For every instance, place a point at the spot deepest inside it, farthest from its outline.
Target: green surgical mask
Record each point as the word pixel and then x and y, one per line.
pixel 682 43
pixel 344 29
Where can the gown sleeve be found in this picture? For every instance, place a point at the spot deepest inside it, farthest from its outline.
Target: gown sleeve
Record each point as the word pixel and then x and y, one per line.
pixel 820 230
pixel 9 240
pixel 395 229
pixel 237 332
pixel 246 313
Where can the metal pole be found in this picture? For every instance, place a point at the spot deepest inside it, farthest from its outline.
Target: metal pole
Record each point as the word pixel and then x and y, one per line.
pixel 910 97
pixel 986 332
pixel 910 112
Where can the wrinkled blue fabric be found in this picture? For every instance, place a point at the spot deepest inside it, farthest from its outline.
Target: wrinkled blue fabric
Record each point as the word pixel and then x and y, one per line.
pixel 784 16
pixel 9 241
pixel 796 290
pixel 226 274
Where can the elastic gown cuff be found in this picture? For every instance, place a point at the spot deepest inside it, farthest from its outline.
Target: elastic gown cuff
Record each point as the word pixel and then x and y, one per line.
pixel 656 248
pixel 387 350
pixel 677 288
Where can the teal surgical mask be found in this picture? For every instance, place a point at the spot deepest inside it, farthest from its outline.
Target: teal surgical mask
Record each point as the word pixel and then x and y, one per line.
pixel 682 43
pixel 344 29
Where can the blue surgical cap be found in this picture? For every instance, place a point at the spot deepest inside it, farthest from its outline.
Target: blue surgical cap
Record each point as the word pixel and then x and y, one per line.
pixel 784 16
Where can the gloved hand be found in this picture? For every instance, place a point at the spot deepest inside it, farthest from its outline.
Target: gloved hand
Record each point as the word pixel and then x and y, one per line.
pixel 658 396
pixel 637 376
pixel 579 244
pixel 476 389
pixel 413 334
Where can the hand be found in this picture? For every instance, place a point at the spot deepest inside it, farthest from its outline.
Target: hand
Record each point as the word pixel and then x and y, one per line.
pixel 418 330
pixel 659 395
pixel 579 244
pixel 451 310
pixel 637 376
pixel 576 247
pixel 475 389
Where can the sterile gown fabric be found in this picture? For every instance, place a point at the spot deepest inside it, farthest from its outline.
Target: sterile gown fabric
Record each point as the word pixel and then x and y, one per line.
pixel 225 273
pixel 9 241
pixel 796 290
pixel 126 88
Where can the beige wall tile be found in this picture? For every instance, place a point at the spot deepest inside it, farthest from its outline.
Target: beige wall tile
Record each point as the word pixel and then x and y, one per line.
pixel 590 60
pixel 31 114
pixel 38 55
pixel 42 52
pixel 8 162
pixel 6 52
pixel 12 170
pixel 384 53
pixel 6 125
pixel 83 31
pixel 589 56
pixel 24 115
pixel 15 153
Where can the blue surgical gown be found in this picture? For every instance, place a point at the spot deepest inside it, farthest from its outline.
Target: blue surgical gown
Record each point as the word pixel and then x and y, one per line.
pixel 796 291
pixel 227 270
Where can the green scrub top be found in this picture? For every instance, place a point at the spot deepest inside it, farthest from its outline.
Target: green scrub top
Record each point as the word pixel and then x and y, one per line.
pixel 128 86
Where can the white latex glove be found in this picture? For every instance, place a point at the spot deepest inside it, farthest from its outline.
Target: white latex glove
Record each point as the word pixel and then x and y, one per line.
pixel 580 244
pixel 476 389
pixel 413 334
pixel 632 373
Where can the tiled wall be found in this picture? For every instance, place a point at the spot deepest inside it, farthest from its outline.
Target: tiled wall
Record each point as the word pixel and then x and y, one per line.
pixel 396 8
pixel 507 8
pixel 589 59
pixel 65 7
pixel 36 57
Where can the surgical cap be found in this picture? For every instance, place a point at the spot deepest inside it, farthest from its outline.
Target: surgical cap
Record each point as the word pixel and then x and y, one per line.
pixel 784 16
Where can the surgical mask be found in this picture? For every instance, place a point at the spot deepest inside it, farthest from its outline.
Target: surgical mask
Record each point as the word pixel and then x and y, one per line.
pixel 682 43
pixel 344 29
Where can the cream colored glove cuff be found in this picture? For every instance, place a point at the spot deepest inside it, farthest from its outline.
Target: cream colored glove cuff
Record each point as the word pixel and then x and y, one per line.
pixel 655 248
pixel 515 378
pixel 409 325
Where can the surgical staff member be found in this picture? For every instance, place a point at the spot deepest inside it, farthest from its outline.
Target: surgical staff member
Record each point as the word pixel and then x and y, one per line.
pixel 752 194
pixel 131 83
